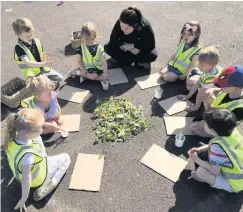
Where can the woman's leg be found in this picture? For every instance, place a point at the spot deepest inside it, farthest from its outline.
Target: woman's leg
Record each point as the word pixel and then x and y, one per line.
pixel 57 166
pixel 123 58
pixel 146 57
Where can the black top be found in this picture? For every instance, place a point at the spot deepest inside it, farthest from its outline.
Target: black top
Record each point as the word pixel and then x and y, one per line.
pixel 32 47
pixel 142 37
pixel 238 111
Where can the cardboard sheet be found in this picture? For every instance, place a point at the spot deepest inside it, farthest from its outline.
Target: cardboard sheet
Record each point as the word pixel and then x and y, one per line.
pixel 157 159
pixel 174 105
pixel 71 123
pixel 87 172
pixel 149 81
pixel 175 125
pixel 72 94
pixel 117 76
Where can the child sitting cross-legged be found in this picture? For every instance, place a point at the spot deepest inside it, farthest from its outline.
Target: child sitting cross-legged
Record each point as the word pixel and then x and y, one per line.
pixel 45 99
pixel 224 169
pixel 207 63
pixel 91 56
pixel 27 156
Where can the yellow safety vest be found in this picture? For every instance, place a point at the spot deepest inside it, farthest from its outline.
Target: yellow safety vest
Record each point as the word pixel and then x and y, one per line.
pixel 233 147
pixel 25 70
pixel 88 60
pixel 30 103
pixel 181 60
pixel 16 152
pixel 208 78
pixel 238 103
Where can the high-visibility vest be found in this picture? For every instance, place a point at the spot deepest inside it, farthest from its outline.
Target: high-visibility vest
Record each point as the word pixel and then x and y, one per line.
pixel 181 60
pixel 238 103
pixel 233 147
pixel 89 61
pixel 30 103
pixel 15 152
pixel 25 70
pixel 208 78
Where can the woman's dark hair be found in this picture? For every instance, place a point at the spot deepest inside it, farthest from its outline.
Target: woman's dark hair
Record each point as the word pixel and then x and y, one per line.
pixel 221 120
pixel 131 16
pixel 197 32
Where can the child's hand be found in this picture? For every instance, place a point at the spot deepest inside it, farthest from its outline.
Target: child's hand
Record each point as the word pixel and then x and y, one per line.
pixel 193 156
pixel 182 97
pixel 193 108
pixel 55 126
pixel 48 63
pixel 21 205
pixel 194 149
pixel 182 77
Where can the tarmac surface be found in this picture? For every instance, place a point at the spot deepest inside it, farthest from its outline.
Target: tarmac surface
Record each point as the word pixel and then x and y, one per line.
pixel 127 185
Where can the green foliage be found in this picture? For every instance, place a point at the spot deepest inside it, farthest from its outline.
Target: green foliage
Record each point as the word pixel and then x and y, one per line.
pixel 117 120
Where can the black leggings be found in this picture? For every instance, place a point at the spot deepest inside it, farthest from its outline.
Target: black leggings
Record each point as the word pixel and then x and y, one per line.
pixel 127 58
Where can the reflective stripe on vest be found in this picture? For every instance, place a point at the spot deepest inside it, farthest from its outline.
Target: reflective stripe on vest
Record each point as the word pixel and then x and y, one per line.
pixel 23 67
pixel 16 152
pixel 229 105
pixel 181 60
pixel 233 147
pixel 208 78
pixel 28 103
pixel 88 60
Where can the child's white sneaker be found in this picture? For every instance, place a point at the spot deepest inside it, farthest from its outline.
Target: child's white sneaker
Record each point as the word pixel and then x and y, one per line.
pixel 81 79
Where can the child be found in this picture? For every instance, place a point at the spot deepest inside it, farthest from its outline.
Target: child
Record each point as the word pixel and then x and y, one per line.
pixel 27 156
pixel 184 60
pixel 230 85
pixel 45 99
pixel 29 52
pixel 207 63
pixel 92 61
pixel 224 169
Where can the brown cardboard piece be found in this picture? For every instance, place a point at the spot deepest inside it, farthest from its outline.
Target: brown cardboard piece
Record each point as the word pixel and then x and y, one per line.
pixel 149 81
pixel 72 94
pixel 87 172
pixel 174 105
pixel 175 125
pixel 163 162
pixel 116 76
pixel 71 123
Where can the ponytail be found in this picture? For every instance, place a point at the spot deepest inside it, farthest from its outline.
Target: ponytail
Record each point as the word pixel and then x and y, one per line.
pixel 131 16
pixel 10 130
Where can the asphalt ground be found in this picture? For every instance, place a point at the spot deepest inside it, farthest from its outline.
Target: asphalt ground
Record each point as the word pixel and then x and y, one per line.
pixel 127 185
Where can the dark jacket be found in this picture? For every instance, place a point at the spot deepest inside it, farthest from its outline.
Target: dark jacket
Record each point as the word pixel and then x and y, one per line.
pixel 142 37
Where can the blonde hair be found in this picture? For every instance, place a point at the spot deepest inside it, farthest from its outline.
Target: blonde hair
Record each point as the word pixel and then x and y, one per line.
pixel 89 29
pixel 27 119
pixel 39 84
pixel 209 55
pixel 21 25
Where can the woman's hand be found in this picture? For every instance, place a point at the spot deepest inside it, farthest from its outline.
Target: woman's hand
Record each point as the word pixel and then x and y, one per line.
pixel 126 47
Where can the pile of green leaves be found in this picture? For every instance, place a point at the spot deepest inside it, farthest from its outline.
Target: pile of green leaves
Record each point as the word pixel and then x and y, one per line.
pixel 118 120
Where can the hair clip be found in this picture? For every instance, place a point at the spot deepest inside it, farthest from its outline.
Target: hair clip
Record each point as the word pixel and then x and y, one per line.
pixel 193 28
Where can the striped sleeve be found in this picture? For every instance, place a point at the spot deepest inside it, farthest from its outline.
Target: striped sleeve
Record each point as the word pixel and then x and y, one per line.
pixel 218 156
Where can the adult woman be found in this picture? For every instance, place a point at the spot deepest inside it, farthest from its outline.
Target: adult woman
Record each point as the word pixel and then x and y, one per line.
pixel 132 40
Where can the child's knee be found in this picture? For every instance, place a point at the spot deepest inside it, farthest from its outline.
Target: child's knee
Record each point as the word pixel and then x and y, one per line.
pixel 201 172
pixel 170 78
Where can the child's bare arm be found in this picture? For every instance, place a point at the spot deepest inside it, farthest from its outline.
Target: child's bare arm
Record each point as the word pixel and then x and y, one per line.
pixel 80 63
pixel 26 179
pixel 34 64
